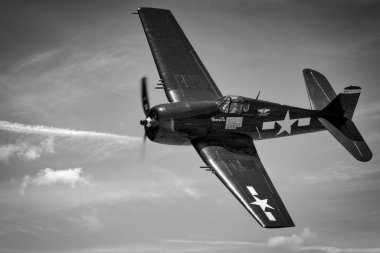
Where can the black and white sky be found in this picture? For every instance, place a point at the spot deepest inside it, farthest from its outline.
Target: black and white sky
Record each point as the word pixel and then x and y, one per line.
pixel 71 174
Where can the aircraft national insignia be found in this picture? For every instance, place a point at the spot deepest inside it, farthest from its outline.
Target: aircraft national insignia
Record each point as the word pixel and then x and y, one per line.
pixel 263 203
pixel 286 124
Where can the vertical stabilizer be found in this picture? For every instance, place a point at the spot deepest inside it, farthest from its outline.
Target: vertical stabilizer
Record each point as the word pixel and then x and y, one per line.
pixel 318 88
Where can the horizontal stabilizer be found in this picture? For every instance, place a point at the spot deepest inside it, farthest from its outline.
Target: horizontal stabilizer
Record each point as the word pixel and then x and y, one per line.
pixel 318 88
pixel 348 135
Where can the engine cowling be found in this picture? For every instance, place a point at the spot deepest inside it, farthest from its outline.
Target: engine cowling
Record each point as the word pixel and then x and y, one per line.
pixel 178 123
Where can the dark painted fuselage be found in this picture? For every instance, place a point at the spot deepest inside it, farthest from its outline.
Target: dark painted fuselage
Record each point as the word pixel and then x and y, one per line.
pixel 179 123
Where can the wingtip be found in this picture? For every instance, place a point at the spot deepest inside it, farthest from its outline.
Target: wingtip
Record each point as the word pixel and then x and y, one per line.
pixel 365 156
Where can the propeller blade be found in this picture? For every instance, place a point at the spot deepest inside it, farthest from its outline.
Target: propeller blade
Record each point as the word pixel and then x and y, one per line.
pixel 144 138
pixel 143 148
pixel 144 96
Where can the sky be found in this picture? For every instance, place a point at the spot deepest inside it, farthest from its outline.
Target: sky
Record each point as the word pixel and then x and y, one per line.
pixel 72 176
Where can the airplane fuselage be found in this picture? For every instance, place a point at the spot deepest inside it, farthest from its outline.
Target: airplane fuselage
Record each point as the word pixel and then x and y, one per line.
pixel 179 123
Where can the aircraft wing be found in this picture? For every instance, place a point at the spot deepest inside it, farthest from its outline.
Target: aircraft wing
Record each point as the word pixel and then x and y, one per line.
pixel 236 163
pixel 184 76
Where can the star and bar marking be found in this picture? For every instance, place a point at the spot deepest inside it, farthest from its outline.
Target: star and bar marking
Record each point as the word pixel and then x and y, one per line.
pixel 286 123
pixel 263 203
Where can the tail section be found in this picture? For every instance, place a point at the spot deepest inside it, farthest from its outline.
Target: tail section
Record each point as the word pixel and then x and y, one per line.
pixel 318 88
pixel 336 111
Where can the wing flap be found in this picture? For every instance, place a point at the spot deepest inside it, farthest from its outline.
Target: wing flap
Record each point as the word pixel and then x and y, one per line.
pixel 183 74
pixel 238 166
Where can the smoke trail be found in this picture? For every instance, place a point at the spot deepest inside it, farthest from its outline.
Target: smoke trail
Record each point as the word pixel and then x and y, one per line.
pixel 21 128
pixel 30 142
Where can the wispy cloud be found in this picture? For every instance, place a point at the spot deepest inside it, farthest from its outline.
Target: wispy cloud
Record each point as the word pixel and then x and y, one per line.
pixel 293 242
pixel 330 249
pixel 44 190
pixel 165 185
pixel 187 188
pixel 89 221
pixel 369 111
pixel 47 177
pixel 61 79
pixel 35 59
pixel 231 243
pixel 31 142
pixel 339 173
pixel 303 243
pixel 26 150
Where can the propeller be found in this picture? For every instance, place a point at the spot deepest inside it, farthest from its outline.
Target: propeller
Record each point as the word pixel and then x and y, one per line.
pixel 146 109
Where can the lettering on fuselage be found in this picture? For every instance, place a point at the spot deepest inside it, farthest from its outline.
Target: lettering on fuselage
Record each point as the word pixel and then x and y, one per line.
pixel 218 119
pixel 286 124
pixel 234 122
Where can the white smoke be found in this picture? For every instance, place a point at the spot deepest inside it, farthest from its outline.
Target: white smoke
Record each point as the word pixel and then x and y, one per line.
pixel 31 142
pixel 21 128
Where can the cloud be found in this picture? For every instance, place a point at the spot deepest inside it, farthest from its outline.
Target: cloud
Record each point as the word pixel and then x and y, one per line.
pixel 301 243
pixel 293 242
pixel 339 173
pixel 88 221
pixel 329 249
pixel 87 191
pixel 36 59
pixel 186 188
pixel 26 150
pixel 161 184
pixel 230 243
pixel 369 111
pixel 47 177
pixel 61 79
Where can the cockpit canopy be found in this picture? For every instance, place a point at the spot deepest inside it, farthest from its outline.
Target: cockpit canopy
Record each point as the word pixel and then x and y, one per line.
pixel 232 104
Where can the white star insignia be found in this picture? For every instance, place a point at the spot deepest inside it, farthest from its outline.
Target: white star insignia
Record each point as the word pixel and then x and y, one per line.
pixel 262 203
pixel 286 124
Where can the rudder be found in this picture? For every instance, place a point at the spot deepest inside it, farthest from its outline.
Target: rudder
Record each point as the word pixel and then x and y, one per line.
pixel 345 103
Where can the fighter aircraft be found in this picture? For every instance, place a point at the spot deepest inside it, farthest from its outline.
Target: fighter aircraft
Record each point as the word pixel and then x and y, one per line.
pixel 222 128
